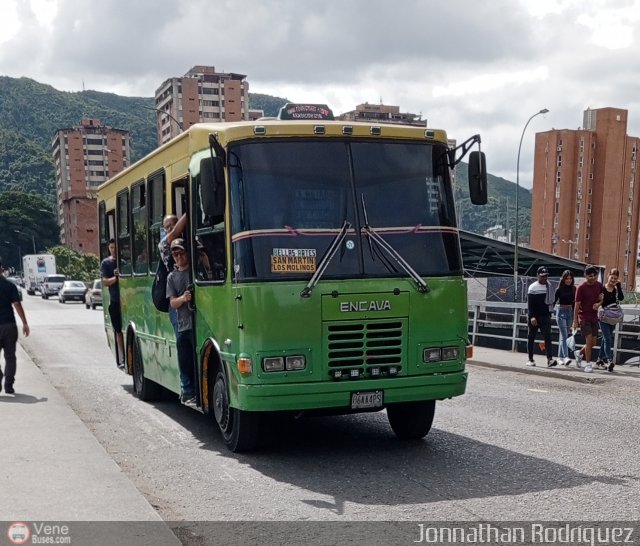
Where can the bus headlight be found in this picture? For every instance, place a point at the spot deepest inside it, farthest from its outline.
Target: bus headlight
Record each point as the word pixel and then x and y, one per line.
pixel 297 362
pixel 450 353
pixel 273 364
pixel 432 354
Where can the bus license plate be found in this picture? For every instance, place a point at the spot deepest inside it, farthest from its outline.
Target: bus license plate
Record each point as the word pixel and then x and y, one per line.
pixel 366 400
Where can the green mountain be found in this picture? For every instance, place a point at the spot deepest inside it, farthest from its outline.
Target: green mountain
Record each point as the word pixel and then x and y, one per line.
pixel 499 210
pixel 31 112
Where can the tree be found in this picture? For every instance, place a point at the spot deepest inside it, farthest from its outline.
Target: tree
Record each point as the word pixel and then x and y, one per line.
pixel 76 265
pixel 26 221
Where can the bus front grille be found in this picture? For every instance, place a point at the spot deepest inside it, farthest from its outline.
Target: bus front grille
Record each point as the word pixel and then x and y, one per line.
pixel 371 347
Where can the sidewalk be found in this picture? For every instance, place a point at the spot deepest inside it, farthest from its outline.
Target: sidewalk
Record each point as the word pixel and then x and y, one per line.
pixel 515 362
pixel 53 468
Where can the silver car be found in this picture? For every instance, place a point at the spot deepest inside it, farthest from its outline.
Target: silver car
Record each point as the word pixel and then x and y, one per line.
pixel 93 296
pixel 72 291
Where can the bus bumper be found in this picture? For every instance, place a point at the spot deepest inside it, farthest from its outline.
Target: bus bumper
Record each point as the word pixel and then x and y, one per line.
pixel 337 394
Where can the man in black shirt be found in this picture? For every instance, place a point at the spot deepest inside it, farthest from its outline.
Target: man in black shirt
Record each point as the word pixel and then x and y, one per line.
pixel 110 279
pixel 540 303
pixel 9 296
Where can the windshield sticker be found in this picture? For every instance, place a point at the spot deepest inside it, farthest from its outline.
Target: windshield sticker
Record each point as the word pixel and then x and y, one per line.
pixel 293 260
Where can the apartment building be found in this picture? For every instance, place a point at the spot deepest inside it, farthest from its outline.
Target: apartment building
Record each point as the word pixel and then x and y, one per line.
pixel 383 113
pixel 585 195
pixel 201 95
pixel 85 156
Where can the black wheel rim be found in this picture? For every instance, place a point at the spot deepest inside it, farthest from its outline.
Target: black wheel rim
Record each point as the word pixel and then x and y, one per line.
pixel 137 370
pixel 221 404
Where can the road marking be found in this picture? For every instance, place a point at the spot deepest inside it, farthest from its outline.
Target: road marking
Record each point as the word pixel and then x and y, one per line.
pixel 537 390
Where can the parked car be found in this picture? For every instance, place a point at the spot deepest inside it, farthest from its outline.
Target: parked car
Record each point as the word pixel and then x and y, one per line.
pixel 72 291
pixel 93 296
pixel 51 285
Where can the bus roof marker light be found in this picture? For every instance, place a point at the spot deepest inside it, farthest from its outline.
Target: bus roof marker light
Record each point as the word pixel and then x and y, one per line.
pixel 430 133
pixel 319 130
pixel 259 130
pixel 347 130
pixel 376 130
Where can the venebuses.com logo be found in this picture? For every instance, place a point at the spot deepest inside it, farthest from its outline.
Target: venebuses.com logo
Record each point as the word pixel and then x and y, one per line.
pixel 18 533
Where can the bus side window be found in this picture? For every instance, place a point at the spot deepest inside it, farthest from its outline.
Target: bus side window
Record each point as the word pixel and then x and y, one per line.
pixel 123 233
pixel 156 200
pixel 210 245
pixel 139 227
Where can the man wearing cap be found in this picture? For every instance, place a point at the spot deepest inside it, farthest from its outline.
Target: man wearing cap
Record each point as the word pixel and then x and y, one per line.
pixel 9 296
pixel 179 294
pixel 540 304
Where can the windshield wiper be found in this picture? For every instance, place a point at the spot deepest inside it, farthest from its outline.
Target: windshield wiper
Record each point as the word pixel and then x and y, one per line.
pixel 324 263
pixel 376 238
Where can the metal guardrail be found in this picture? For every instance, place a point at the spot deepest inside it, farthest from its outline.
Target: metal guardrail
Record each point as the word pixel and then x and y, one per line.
pixel 503 325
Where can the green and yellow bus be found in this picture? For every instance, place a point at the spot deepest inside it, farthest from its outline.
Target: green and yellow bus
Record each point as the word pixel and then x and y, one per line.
pixel 334 279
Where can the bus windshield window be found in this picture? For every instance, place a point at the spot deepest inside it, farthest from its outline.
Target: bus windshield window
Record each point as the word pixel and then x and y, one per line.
pixel 289 201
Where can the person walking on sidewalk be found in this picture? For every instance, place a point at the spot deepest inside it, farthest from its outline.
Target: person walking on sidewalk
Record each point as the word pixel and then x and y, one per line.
pixel 565 297
pixel 588 298
pixel 611 295
pixel 9 299
pixel 539 304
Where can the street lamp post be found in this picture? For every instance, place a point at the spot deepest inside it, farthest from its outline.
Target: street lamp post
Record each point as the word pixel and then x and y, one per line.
pixel 19 254
pixel 570 243
pixel 515 228
pixel 33 239
pixel 166 114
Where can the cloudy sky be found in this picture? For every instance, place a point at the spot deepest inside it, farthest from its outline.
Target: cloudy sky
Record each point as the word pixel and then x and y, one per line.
pixel 467 66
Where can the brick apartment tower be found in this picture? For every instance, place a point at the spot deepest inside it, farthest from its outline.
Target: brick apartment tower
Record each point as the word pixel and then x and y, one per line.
pixel 85 156
pixel 201 95
pixel 383 113
pixel 585 196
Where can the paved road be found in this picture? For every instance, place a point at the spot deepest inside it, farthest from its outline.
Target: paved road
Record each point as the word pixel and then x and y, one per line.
pixel 516 446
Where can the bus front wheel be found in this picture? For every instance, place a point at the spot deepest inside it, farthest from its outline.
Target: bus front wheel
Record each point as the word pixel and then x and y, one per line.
pixel 239 429
pixel 411 420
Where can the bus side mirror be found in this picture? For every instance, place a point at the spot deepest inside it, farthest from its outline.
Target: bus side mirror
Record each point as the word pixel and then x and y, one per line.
pixel 478 178
pixel 212 191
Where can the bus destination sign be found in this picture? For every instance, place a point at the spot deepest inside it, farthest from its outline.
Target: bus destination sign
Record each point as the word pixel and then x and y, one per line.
pixel 306 111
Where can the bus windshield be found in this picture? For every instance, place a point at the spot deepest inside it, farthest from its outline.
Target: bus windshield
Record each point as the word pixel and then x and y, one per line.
pixel 290 199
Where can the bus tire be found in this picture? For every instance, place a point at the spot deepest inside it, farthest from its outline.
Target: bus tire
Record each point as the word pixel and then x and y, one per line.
pixel 411 420
pixel 145 389
pixel 240 429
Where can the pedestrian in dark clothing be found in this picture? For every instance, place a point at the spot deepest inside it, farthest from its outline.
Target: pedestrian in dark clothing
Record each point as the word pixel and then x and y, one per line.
pixel 9 296
pixel 111 279
pixel 539 304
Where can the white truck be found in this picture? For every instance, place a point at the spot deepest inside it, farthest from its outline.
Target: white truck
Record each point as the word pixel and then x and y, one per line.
pixel 36 268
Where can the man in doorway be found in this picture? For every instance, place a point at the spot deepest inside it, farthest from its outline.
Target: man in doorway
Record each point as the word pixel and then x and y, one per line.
pixel 173 229
pixel 9 300
pixel 588 298
pixel 540 303
pixel 179 294
pixel 110 278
